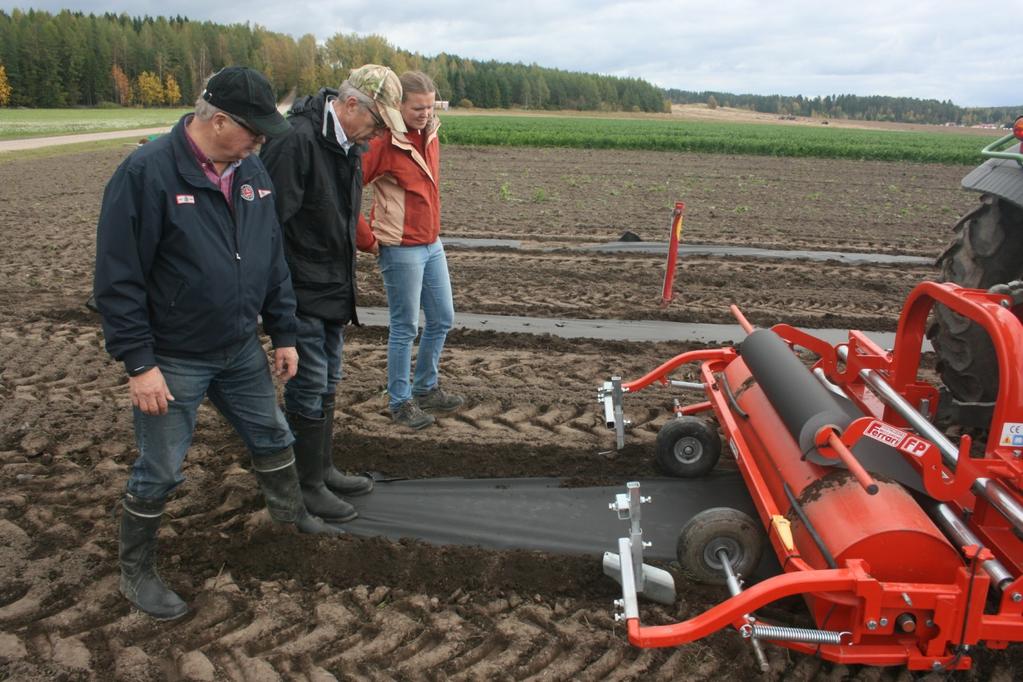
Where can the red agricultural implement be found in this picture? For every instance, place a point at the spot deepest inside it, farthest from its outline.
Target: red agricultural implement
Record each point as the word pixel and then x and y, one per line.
pixel 905 547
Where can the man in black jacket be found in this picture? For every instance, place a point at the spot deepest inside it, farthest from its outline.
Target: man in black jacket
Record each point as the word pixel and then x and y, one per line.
pixel 317 173
pixel 188 255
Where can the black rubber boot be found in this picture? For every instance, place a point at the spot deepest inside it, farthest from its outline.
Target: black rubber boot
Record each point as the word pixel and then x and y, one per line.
pixel 309 466
pixel 336 481
pixel 279 482
pixel 140 583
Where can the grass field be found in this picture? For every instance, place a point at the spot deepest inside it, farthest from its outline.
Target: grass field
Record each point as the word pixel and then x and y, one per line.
pixel 21 123
pixel 650 132
pixel 61 149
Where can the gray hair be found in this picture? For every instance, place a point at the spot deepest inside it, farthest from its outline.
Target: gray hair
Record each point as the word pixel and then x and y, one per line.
pixel 204 111
pixel 346 90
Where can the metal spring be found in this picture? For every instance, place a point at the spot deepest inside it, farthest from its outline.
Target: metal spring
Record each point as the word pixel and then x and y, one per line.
pixel 777 632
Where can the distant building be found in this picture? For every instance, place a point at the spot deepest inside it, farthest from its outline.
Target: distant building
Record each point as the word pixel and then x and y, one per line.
pixel 441 104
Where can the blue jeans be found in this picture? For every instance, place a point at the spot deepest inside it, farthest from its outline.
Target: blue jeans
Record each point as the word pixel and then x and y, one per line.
pixel 414 277
pixel 319 344
pixel 237 381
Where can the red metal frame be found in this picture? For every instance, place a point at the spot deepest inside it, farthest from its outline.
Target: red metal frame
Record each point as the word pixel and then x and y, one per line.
pixel 948 614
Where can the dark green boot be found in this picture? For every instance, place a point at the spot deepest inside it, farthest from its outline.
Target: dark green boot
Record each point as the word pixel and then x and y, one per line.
pixel 309 465
pixel 332 478
pixel 279 482
pixel 140 583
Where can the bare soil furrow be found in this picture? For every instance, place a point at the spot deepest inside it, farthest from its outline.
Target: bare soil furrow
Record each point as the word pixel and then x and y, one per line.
pixel 269 604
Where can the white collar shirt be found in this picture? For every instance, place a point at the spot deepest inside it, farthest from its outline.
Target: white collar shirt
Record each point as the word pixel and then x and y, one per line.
pixel 339 132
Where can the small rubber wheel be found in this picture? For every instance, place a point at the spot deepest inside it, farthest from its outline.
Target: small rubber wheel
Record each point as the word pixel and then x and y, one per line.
pixel 714 530
pixel 688 447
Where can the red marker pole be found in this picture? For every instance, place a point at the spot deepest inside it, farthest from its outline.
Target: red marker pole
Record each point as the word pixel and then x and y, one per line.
pixel 673 242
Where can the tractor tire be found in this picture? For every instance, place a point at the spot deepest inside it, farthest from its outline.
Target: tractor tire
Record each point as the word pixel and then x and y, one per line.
pixel 713 530
pixel 987 249
pixel 687 447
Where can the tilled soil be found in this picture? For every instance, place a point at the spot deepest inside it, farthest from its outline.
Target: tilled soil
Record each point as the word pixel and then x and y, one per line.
pixel 269 604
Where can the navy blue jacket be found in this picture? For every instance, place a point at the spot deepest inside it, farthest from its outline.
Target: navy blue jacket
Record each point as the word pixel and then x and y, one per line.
pixel 176 272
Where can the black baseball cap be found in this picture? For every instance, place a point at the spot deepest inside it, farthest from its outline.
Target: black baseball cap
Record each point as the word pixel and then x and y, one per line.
pixel 246 93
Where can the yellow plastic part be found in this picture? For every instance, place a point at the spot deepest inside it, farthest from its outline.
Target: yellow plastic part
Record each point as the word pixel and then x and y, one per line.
pixel 784 530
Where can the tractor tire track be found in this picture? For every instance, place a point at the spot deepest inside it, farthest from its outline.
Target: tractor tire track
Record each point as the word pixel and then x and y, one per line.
pixel 271 605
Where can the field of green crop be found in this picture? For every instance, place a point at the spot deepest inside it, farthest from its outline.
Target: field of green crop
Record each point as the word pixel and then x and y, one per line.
pixel 20 123
pixel 940 146
pixel 715 138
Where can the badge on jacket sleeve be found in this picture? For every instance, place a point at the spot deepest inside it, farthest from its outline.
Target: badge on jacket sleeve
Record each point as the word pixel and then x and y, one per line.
pixel 185 199
pixel 247 193
pixel 264 193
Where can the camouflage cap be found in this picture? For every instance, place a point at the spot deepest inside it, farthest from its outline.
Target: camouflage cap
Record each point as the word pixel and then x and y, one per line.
pixel 381 85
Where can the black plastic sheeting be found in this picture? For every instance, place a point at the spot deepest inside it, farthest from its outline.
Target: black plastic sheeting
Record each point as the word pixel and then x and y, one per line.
pixel 618 330
pixel 539 514
pixel 638 246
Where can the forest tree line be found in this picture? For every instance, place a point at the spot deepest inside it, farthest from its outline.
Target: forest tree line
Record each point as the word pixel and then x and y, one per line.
pixel 872 108
pixel 73 59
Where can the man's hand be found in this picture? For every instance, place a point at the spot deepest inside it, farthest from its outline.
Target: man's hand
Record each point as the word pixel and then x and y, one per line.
pixel 149 392
pixel 285 362
pixel 375 249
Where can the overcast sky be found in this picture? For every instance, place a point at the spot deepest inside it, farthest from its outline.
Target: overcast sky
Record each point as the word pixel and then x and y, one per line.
pixel 960 50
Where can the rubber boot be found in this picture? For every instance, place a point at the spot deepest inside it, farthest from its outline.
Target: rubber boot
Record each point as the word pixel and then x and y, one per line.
pixel 309 464
pixel 140 583
pixel 332 478
pixel 279 482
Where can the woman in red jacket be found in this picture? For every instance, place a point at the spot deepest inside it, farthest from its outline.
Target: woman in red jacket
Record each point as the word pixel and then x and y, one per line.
pixel 404 232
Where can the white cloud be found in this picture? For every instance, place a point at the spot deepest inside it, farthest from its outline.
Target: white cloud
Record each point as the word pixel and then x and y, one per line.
pixel 911 48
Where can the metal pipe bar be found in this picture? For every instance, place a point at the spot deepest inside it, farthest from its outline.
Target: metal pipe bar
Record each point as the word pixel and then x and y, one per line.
pixel 607 398
pixel 730 578
pixel 954 526
pixel 636 532
pixel 990 490
pixel 630 602
pixel 891 397
pixel 823 378
pixel 1001 499
pixel 735 589
pixel 689 385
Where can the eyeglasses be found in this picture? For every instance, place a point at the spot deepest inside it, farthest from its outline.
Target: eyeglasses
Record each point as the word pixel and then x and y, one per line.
pixel 241 123
pixel 378 122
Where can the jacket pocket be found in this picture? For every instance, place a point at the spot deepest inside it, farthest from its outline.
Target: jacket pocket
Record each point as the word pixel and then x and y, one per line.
pixel 179 291
pixel 318 271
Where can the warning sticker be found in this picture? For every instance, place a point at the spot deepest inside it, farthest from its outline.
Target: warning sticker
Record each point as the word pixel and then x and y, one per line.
pixel 1012 434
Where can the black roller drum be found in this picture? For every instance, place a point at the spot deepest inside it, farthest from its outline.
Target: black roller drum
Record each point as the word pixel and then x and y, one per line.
pixel 801 401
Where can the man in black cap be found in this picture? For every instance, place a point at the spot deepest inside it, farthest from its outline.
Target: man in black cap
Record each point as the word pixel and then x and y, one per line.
pixel 317 171
pixel 188 256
